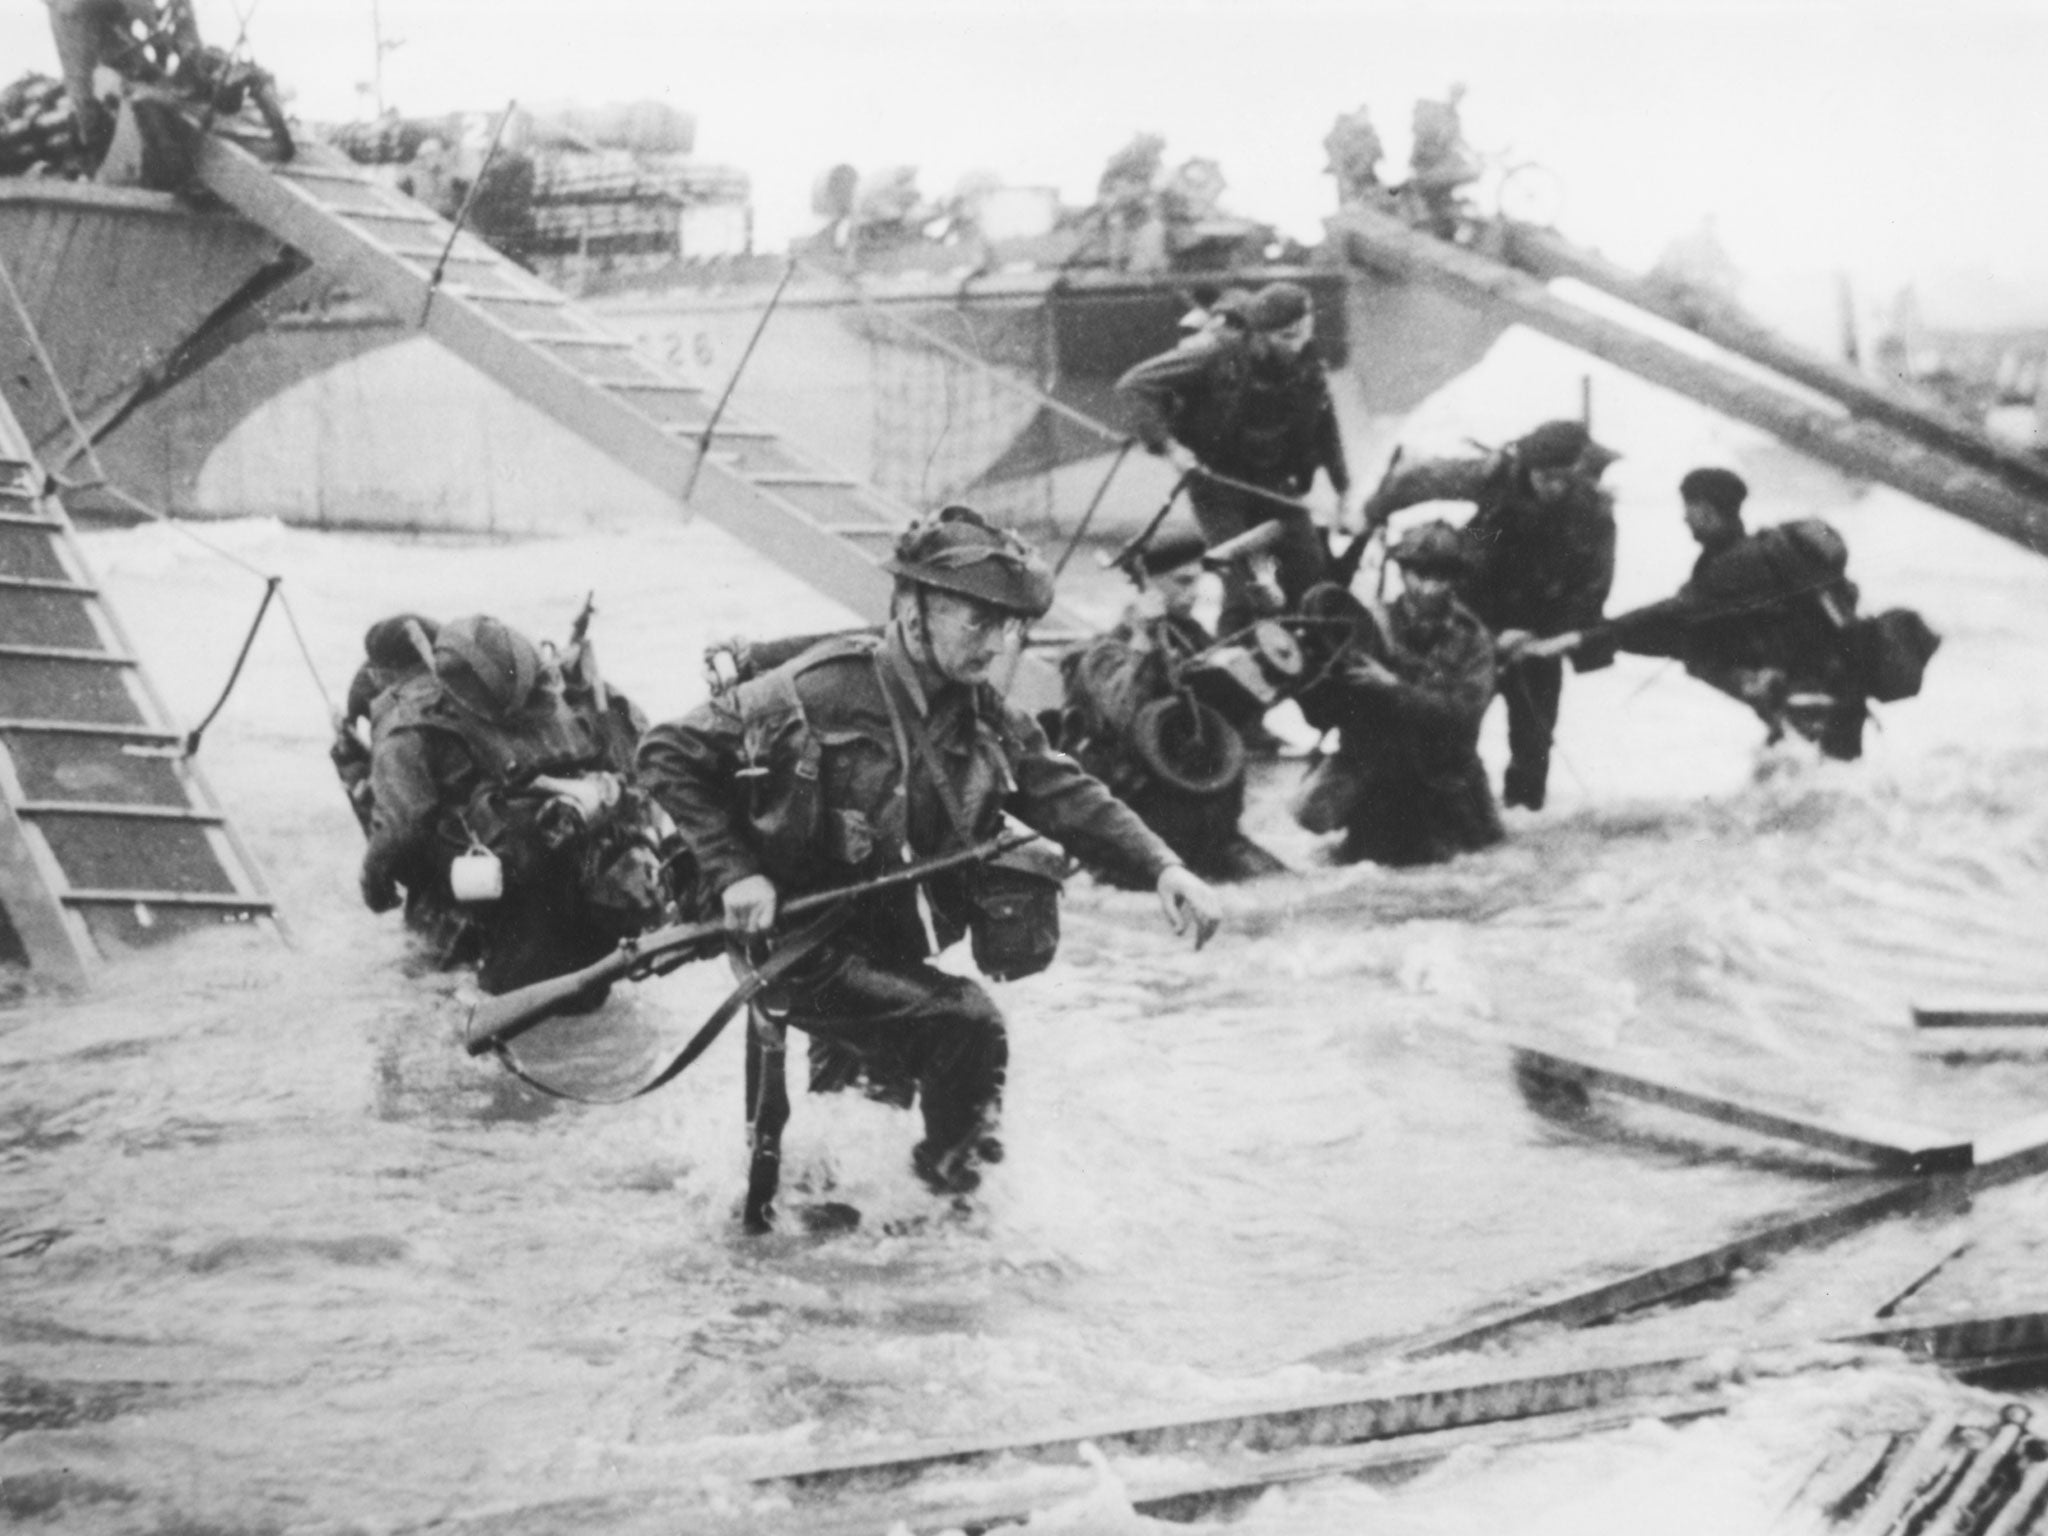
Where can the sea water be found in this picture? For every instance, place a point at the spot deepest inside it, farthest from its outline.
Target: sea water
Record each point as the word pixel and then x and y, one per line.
pixel 276 1255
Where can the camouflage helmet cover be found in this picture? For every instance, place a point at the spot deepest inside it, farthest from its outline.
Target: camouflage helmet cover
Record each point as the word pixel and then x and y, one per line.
pixel 961 552
pixel 486 665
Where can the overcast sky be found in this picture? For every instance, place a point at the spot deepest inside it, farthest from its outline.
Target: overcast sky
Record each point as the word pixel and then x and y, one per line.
pixel 1880 137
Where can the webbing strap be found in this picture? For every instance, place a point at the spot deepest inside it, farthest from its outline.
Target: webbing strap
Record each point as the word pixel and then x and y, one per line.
pixel 907 724
pixel 777 964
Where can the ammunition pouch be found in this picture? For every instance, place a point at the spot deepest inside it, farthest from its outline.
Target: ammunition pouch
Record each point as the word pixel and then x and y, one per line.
pixel 1014 902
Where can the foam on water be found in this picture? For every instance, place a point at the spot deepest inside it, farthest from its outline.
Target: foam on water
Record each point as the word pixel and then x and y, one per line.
pixel 275 1254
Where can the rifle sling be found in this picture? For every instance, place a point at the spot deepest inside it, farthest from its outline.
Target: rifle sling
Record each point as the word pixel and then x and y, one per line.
pixel 910 733
pixel 799 946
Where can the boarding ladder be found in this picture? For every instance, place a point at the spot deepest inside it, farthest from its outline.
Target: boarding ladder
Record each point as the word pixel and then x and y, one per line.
pixel 1845 431
pixel 109 838
pixel 1546 254
pixel 827 529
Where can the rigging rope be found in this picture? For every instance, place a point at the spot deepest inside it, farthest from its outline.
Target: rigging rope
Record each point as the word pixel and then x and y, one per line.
pixel 272 583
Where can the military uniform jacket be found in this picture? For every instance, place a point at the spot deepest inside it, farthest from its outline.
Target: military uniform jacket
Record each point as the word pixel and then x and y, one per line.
pixel 797 775
pixel 1263 419
pixel 1767 599
pixel 1427 725
pixel 1546 569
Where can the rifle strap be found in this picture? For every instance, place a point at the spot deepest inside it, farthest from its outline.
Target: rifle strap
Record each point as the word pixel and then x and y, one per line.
pixel 773 969
pixel 911 734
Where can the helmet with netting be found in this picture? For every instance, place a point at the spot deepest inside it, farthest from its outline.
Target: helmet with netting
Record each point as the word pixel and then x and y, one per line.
pixel 961 552
pixel 486 665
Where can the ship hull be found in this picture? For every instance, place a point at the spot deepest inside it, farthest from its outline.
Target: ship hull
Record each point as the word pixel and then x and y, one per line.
pixel 998 389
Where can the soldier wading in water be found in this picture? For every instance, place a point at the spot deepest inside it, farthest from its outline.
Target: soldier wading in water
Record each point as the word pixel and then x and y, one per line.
pixel 864 753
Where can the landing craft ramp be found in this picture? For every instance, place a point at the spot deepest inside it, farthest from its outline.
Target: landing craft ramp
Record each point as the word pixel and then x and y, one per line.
pixel 1862 431
pixel 827 529
pixel 108 837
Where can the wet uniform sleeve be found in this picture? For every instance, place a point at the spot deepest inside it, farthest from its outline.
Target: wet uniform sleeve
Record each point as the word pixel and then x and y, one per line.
pixel 1434 480
pixel 1656 629
pixel 1161 387
pixel 1056 797
pixel 1589 580
pixel 689 767
pixel 405 795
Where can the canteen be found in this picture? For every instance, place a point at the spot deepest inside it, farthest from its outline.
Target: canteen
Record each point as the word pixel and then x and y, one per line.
pixel 476 876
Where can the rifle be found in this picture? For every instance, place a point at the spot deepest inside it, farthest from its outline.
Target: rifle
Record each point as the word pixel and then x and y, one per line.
pixel 585 659
pixel 1126 559
pixel 498 1021
pixel 1344 569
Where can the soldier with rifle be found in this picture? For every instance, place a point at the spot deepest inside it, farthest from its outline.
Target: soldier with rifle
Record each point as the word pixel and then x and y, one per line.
pixel 1252 405
pixel 499 800
pixel 865 753
pixel 1541 546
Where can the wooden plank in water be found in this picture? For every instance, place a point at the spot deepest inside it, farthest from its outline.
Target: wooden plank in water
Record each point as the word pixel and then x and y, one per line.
pixel 1898 1149
pixel 2013 1151
pixel 1183 1494
pixel 1580 1308
pixel 1258 1448
pixel 2004 1015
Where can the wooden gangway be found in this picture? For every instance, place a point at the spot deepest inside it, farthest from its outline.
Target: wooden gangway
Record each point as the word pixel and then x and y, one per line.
pixel 825 528
pixel 109 837
pixel 1900 444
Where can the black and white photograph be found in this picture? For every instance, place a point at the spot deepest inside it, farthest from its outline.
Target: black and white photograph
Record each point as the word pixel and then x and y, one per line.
pixel 906 767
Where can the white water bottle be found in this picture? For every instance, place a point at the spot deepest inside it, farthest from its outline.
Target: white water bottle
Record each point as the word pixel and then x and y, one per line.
pixel 476 876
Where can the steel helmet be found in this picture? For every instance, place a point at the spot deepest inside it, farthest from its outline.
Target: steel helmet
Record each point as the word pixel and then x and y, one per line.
pixel 960 552
pixel 1434 549
pixel 486 665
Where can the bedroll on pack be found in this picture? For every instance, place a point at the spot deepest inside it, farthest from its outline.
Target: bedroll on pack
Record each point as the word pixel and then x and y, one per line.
pixel 1891 652
pixel 1815 549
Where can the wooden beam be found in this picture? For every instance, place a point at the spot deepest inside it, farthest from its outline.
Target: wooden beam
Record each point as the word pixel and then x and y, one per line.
pixel 1182 1494
pixel 1259 1448
pixel 1895 1149
pixel 1583 1306
pixel 2006 1015
pixel 2011 1152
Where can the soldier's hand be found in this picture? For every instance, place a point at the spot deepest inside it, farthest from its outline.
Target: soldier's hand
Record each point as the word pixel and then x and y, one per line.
pixel 750 905
pixel 1188 899
pixel 1556 645
pixel 1352 514
pixel 1511 643
pixel 1368 672
pixel 380 892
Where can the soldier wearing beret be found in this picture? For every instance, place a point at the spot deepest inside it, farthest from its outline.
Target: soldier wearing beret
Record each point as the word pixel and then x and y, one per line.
pixel 1254 409
pixel 1767 617
pixel 1541 547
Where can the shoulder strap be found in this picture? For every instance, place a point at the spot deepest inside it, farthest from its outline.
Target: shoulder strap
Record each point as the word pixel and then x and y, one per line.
pixel 910 732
